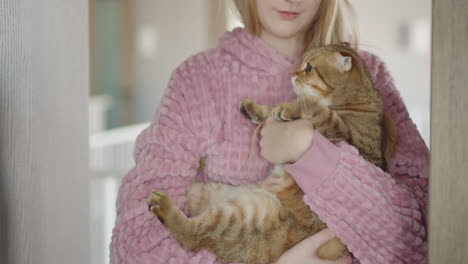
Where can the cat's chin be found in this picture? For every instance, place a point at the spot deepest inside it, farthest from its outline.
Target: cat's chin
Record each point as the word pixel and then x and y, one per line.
pixel 297 90
pixel 300 91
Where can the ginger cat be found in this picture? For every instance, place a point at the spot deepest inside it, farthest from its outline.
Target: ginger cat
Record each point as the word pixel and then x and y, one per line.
pixel 335 92
pixel 257 223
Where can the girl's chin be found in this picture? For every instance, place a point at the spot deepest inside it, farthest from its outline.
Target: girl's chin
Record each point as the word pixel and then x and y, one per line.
pixel 286 31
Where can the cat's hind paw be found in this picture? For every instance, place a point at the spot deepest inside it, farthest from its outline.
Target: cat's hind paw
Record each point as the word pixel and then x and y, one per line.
pixel 160 205
pixel 332 250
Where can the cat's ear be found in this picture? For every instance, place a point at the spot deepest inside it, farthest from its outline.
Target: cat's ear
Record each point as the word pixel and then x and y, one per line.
pixel 344 63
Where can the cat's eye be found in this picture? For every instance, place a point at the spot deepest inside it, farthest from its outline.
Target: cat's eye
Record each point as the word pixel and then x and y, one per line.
pixel 308 68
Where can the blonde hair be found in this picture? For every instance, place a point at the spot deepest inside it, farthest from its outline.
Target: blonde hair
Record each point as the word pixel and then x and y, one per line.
pixel 335 22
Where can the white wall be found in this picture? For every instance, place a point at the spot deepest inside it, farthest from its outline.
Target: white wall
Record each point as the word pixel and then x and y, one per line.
pixel 44 86
pixel 167 32
pixel 448 208
pixel 381 23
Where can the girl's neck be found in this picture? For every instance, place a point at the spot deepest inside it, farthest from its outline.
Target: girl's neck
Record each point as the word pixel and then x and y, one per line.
pixel 287 47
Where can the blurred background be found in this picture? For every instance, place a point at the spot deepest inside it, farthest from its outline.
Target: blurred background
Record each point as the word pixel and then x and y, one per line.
pixel 135 45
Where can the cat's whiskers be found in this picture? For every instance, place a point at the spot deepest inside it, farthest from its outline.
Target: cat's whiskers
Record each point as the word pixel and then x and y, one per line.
pixel 312 89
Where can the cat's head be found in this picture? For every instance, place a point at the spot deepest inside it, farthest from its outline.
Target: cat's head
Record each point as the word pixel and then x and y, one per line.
pixel 323 70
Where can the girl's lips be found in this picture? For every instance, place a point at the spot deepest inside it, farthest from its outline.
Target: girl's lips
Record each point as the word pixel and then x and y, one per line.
pixel 288 15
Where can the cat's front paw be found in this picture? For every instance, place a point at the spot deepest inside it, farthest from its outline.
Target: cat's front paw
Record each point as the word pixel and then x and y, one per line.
pixel 284 114
pixel 248 108
pixel 160 205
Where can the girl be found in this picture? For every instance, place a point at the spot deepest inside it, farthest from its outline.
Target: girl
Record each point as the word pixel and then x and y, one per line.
pixel 379 215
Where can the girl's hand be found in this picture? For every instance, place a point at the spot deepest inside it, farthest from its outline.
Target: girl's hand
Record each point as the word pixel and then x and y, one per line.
pixel 285 142
pixel 304 252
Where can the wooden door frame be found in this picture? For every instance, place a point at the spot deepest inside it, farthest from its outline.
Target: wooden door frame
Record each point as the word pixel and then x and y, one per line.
pixel 448 197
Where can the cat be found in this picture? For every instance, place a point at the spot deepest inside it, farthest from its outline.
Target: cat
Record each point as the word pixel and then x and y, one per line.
pixel 335 92
pixel 257 223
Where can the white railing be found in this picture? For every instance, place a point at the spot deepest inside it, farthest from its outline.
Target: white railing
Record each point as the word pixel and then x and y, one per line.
pixel 111 151
pixel 111 157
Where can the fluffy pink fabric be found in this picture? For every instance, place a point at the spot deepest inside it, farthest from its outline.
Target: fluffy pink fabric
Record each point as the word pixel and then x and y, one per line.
pixel 379 215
